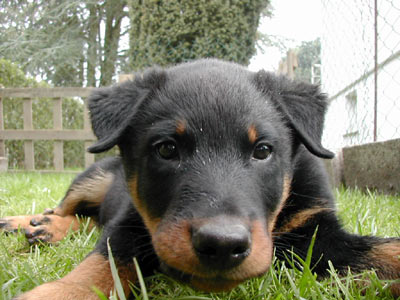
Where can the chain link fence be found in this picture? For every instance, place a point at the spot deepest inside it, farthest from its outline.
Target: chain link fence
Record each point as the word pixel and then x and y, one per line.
pixel 360 71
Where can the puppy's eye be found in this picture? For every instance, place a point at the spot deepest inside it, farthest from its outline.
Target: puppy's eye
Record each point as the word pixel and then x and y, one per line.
pixel 262 151
pixel 167 150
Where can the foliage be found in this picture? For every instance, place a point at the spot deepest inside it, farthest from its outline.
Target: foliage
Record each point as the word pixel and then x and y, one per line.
pixel 168 32
pixel 308 54
pixel 12 76
pixel 24 267
pixel 61 40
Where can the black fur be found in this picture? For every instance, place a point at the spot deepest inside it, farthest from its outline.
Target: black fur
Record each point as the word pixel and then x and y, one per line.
pixel 209 151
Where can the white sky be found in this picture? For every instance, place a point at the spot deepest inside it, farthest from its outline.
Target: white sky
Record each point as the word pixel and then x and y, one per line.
pixel 295 20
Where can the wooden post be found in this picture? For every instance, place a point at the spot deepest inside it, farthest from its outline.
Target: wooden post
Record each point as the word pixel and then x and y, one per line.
pixel 28 144
pixel 292 64
pixel 57 134
pixel 3 158
pixel 58 144
pixel 2 144
pixel 89 157
pixel 124 77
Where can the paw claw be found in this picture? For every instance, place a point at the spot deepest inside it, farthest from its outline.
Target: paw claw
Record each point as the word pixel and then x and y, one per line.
pixel 30 234
pixel 6 227
pixel 34 222
pixel 3 223
pixel 37 222
pixel 48 211
pixel 37 240
pixel 32 241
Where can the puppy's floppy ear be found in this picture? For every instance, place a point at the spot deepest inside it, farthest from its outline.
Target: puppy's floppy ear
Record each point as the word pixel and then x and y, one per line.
pixel 302 105
pixel 112 109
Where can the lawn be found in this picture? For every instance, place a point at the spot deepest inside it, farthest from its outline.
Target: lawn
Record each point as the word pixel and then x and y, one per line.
pixel 22 267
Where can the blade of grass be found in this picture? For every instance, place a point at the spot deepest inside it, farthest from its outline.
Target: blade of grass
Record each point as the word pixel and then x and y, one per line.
pixel 114 272
pixel 307 277
pixel 141 280
pixel 99 293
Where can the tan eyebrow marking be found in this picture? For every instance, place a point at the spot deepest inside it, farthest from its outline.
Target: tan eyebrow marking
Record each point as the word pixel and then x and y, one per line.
pixel 180 127
pixel 252 133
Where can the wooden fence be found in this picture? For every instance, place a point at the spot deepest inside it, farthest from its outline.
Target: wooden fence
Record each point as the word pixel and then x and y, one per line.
pixel 57 134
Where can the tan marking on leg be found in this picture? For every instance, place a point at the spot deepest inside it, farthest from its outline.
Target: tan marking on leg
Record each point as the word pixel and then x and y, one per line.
pixel 395 289
pixel 180 127
pixel 91 189
pixel 285 195
pixel 386 257
pixel 57 211
pixel 252 133
pixel 93 271
pixel 151 223
pixel 385 260
pixel 301 218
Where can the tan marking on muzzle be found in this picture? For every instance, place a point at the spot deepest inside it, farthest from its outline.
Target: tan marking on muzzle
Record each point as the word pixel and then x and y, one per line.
pixel 150 222
pixel 172 243
pixel 285 195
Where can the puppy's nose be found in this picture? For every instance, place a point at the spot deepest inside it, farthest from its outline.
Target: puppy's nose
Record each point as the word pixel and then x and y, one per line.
pixel 221 244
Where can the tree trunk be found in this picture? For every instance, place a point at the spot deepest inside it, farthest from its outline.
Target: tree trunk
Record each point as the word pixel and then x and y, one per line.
pixel 114 12
pixel 92 52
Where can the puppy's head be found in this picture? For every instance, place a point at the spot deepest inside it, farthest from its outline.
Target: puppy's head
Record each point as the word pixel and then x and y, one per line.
pixel 208 149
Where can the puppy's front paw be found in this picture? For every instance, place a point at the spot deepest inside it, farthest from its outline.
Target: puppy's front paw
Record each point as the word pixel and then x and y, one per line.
pixel 12 224
pixel 45 228
pixel 50 228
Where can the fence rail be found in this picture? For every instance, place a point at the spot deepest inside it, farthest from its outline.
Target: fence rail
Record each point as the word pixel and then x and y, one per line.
pixel 28 134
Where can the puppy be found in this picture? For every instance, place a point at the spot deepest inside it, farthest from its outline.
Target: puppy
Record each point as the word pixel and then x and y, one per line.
pixel 217 165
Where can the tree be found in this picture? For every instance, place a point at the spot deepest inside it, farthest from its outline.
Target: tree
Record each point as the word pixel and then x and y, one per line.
pixel 12 76
pixel 61 41
pixel 78 42
pixel 308 55
pixel 165 32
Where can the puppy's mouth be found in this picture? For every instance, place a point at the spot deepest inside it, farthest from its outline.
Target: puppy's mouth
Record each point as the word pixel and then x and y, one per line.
pixel 219 267
pixel 216 283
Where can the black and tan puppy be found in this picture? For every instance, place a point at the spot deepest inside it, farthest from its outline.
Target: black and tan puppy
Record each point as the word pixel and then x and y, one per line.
pixel 217 165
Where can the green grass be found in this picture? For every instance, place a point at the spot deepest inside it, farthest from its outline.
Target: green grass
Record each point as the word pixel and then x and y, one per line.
pixel 23 267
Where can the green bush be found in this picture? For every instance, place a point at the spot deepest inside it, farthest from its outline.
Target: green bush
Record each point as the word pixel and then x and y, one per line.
pixel 169 32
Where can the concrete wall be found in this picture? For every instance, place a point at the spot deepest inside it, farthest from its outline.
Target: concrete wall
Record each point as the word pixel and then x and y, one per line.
pixel 375 166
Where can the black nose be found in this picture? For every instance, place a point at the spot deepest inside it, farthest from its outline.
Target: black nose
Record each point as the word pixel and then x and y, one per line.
pixel 221 244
